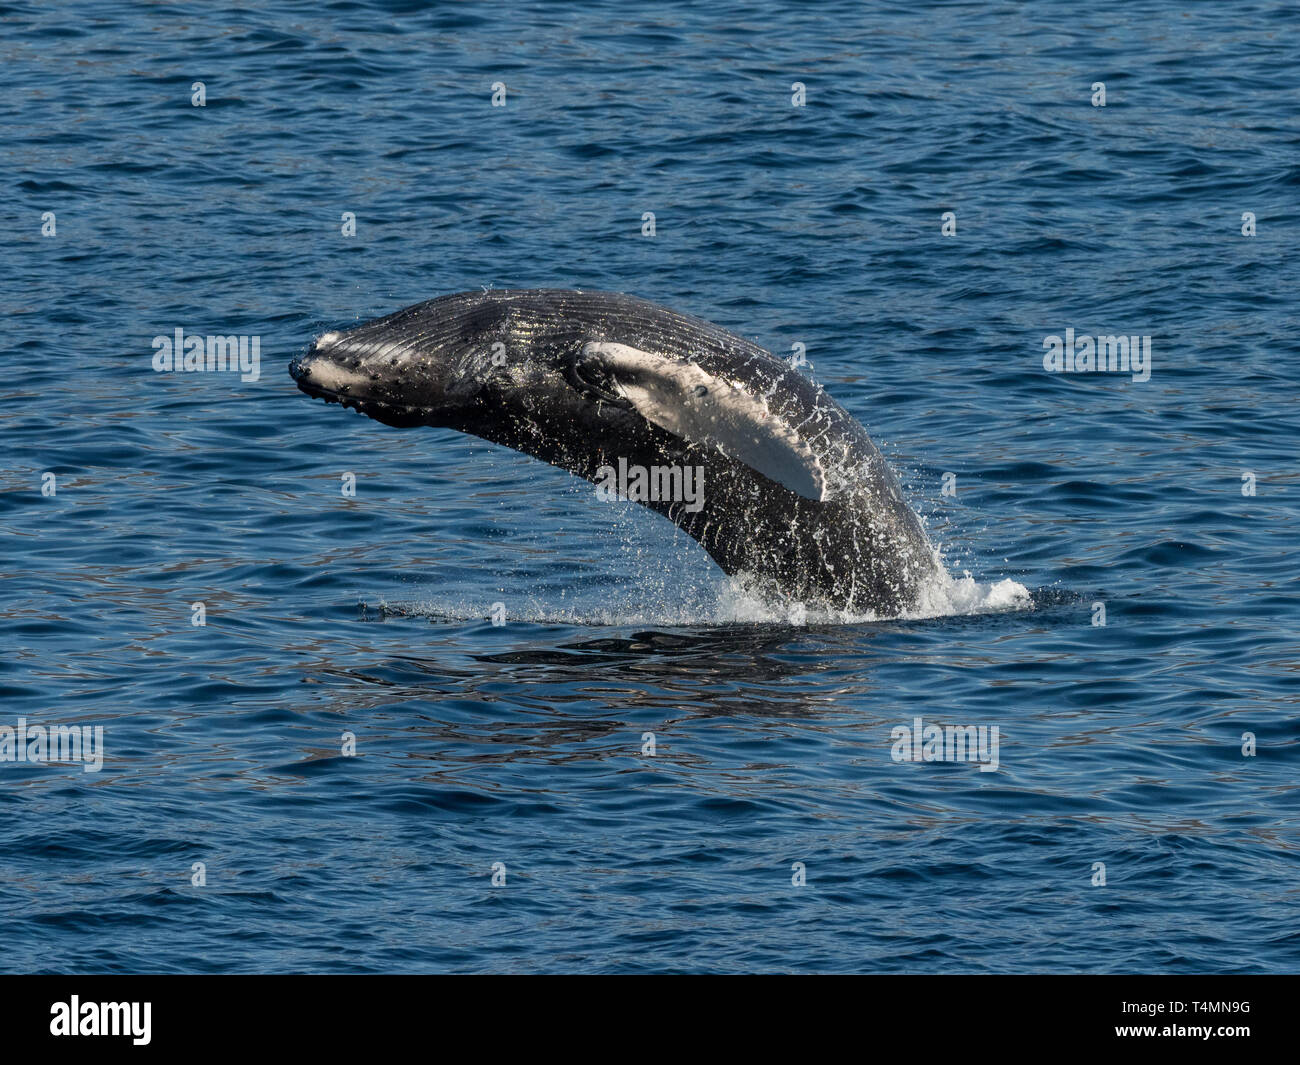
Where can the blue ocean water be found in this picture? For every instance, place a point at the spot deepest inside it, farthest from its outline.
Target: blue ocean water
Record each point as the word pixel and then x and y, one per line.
pixel 519 748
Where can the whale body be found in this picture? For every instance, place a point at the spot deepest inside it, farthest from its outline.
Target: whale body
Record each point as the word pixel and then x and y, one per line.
pixel 791 492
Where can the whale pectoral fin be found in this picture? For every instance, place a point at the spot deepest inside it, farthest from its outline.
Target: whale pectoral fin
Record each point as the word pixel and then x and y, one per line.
pixel 684 400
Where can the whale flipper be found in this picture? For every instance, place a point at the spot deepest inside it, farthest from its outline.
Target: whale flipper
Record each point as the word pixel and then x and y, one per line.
pixel 700 407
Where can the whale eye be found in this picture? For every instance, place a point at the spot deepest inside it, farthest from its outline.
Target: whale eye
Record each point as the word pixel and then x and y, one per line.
pixel 701 390
pixel 593 377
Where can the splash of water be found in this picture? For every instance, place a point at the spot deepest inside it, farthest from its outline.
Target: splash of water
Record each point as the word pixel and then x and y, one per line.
pixel 945 596
pixel 724 601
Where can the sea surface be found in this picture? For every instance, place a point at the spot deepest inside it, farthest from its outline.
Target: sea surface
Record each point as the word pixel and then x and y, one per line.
pixel 646 768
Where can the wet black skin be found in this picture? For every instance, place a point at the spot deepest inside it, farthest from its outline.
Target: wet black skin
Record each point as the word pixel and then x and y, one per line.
pixel 434 364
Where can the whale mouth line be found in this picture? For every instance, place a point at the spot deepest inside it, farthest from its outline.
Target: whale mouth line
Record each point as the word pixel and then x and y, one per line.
pixel 393 414
pixel 329 395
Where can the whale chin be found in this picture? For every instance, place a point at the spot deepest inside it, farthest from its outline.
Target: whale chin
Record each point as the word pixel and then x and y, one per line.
pixel 396 415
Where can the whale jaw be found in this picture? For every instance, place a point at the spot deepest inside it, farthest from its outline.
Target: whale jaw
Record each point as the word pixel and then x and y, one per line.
pixel 398 416
pixel 394 384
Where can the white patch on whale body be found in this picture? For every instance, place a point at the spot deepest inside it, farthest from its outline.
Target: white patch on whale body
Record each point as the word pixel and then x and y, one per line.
pixel 325 340
pixel 335 378
pixel 686 401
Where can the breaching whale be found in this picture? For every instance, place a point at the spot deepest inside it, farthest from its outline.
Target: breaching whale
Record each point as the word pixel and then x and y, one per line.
pixel 794 494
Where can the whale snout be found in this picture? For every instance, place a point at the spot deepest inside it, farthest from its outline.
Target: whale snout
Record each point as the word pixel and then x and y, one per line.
pixel 327 367
pixel 300 366
pixel 385 381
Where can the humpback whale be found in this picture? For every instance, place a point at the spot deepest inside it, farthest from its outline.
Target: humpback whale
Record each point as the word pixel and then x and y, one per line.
pixel 794 495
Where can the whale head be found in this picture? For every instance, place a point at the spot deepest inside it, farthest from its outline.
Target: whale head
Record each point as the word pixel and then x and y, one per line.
pixel 474 362
pixel 401 385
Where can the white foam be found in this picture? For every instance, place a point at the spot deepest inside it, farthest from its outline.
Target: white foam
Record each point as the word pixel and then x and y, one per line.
pixel 739 600
pixel 730 601
pixel 949 596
